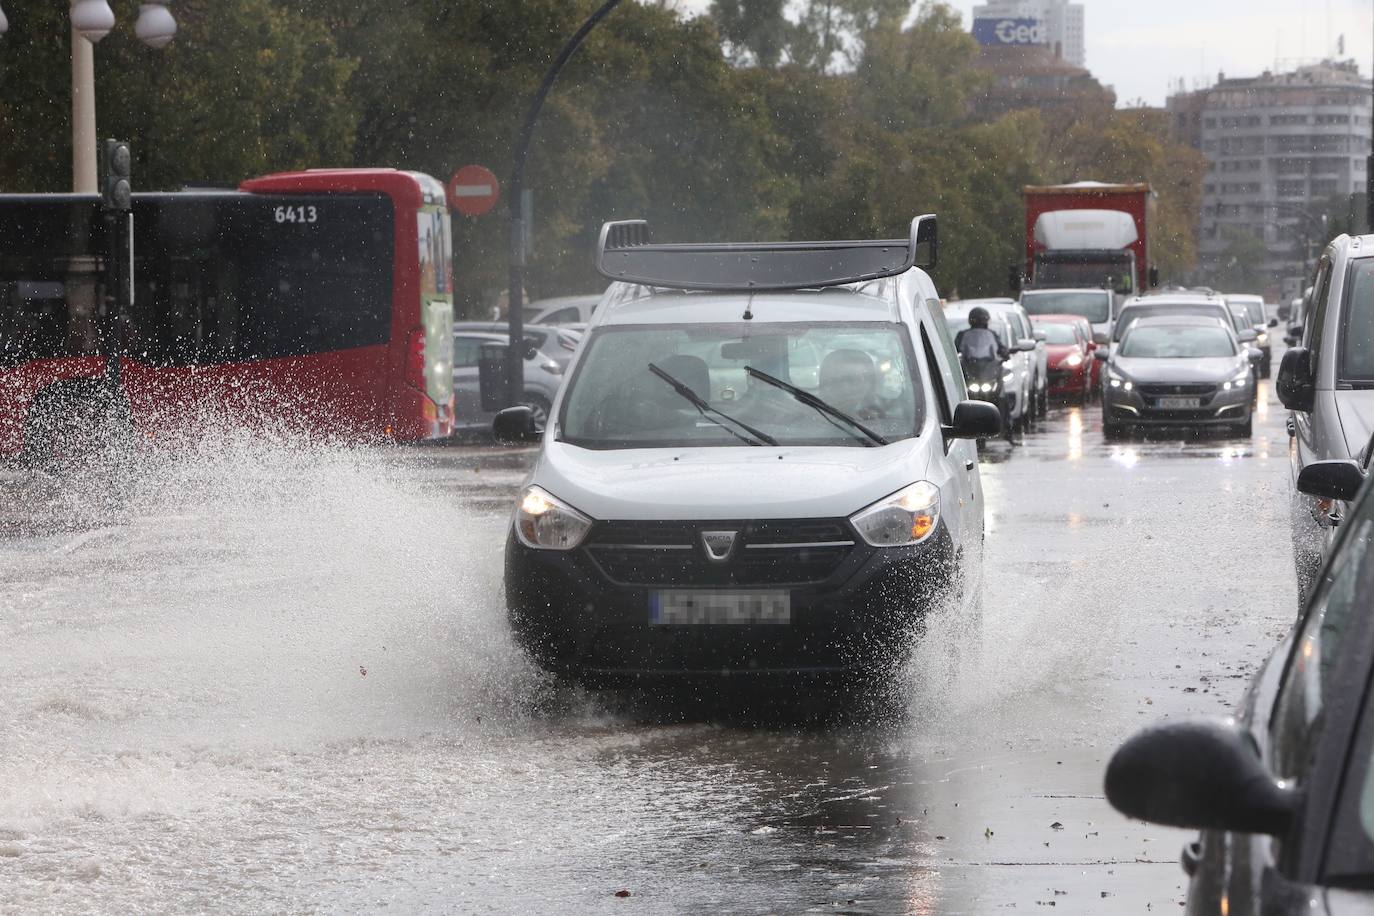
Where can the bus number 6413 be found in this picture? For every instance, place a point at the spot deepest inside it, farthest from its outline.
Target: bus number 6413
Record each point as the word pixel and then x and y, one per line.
pixel 305 214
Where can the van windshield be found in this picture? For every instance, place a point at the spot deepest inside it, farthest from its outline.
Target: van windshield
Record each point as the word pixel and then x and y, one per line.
pixel 866 370
pixel 1094 306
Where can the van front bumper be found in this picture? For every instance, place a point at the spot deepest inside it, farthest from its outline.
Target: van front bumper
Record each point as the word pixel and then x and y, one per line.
pixel 852 613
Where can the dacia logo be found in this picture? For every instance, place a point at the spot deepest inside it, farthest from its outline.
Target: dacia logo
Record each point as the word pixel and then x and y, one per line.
pixel 719 544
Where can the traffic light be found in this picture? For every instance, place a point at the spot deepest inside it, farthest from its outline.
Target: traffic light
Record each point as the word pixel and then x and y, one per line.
pixel 117 190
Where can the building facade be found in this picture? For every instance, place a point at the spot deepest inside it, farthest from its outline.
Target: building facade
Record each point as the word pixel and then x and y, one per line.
pixel 1058 26
pixel 1281 147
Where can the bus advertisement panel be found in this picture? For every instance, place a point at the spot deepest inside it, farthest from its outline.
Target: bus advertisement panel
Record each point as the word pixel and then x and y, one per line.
pixel 312 308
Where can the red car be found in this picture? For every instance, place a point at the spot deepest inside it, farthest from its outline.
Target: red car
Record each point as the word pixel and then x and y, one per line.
pixel 1069 354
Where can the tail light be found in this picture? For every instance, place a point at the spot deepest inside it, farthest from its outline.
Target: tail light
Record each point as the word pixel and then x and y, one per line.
pixel 415 359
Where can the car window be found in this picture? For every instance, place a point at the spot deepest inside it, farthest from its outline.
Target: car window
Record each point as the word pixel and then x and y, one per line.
pixel 1297 717
pixel 1058 333
pixel 1177 342
pixel 867 370
pixel 1091 305
pixel 1312 328
pixel 1357 323
pixel 562 316
pixel 951 369
pixel 466 350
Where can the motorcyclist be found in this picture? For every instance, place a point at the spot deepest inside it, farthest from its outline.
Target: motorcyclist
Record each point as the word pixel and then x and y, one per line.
pixel 978 342
pixel 982 353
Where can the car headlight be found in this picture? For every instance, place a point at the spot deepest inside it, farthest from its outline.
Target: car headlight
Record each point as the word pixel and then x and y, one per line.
pixel 1074 360
pixel 907 517
pixel 1117 380
pixel 1239 380
pixel 545 522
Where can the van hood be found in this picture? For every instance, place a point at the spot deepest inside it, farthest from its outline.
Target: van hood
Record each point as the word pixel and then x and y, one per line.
pixel 1356 411
pixel 728 482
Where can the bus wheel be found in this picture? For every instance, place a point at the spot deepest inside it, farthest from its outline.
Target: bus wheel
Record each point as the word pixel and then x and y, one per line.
pixel 539 408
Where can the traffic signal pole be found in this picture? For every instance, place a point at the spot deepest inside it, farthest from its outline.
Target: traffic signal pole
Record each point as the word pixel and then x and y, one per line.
pixel 515 366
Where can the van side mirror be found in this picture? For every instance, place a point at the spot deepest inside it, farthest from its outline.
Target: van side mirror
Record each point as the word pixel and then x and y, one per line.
pixel 1025 345
pixel 1296 383
pixel 1102 353
pixel 1248 335
pixel 1255 354
pixel 1204 774
pixel 515 426
pixel 1339 478
pixel 975 420
pixel 1040 335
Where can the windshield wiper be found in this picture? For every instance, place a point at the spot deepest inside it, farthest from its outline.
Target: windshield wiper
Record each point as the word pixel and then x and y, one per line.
pixel 760 438
pixel 811 400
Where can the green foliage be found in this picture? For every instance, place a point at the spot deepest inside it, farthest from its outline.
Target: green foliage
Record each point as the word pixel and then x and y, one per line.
pixel 744 123
pixel 247 87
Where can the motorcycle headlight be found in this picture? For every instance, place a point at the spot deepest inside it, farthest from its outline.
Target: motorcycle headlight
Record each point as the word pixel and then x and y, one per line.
pixel 907 517
pixel 544 522
pixel 1262 339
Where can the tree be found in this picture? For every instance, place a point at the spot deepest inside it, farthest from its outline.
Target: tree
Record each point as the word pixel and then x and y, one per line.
pixel 249 86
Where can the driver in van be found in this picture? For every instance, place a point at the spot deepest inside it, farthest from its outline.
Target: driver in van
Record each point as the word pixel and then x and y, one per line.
pixel 849 381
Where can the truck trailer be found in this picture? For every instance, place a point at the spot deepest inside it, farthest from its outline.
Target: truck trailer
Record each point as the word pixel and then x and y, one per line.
pixel 1088 235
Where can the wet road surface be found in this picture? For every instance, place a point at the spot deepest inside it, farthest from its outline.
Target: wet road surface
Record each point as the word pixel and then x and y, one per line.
pixel 269 679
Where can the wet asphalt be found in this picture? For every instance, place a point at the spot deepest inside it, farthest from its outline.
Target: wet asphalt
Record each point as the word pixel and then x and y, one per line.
pixel 279 681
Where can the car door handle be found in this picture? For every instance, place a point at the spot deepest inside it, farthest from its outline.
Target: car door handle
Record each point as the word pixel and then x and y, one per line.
pixel 969 464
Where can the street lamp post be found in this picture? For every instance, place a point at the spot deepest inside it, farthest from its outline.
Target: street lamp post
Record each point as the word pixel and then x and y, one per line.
pixel 91 21
pixel 515 378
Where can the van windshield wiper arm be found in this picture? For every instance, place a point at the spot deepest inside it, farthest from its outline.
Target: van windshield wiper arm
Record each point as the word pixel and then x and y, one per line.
pixel 811 400
pixel 760 438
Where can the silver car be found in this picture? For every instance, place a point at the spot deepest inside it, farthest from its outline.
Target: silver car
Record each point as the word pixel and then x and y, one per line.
pixel 1327 381
pixel 543 375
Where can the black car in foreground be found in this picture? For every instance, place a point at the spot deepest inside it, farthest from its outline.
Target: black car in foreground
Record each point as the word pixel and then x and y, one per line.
pixel 1284 792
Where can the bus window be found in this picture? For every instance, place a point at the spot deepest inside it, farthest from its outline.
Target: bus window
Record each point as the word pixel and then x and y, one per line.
pixel 220 279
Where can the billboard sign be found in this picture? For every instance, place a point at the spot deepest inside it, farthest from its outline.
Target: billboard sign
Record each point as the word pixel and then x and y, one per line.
pixel 1010 32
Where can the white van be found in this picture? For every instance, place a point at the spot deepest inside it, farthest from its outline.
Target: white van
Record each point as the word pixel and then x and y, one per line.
pixel 762 463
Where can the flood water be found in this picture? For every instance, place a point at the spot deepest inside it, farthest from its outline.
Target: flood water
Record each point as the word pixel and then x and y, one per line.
pixel 269 678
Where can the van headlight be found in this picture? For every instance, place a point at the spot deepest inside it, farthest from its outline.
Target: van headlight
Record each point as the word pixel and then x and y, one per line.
pixel 907 517
pixel 545 522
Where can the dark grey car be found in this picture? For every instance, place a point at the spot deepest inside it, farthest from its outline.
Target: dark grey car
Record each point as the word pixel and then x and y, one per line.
pixel 1284 792
pixel 1175 370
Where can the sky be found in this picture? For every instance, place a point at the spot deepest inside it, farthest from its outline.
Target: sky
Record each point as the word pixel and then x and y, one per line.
pixel 1143 47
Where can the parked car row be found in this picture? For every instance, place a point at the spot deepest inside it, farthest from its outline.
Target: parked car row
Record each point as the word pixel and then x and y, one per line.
pixel 1282 793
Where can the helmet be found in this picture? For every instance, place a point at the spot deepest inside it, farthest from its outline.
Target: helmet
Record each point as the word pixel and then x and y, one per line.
pixel 979 317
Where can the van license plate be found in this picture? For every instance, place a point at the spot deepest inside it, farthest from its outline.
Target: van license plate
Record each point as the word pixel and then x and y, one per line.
pixel 700 606
pixel 1178 403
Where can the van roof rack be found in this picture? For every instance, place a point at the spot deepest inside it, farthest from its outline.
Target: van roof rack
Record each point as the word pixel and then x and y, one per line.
pixel 624 253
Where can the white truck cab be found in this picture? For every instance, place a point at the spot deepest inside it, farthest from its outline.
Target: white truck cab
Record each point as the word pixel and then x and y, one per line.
pixel 762 463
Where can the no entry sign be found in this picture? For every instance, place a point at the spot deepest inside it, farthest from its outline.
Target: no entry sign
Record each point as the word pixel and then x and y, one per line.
pixel 473 190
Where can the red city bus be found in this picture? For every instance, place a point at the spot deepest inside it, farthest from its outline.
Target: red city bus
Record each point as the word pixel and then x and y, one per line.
pixel 321 301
